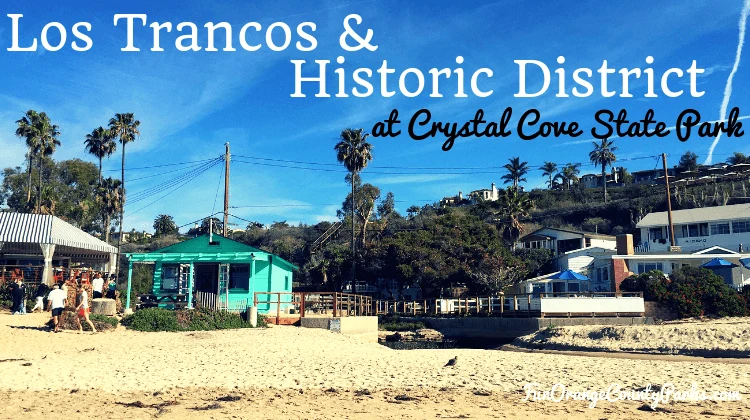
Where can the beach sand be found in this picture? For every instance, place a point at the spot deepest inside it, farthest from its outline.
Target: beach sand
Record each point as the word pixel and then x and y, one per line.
pixel 290 372
pixel 728 337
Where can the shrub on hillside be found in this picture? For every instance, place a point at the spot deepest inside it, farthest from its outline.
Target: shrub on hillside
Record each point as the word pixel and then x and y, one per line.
pixel 690 291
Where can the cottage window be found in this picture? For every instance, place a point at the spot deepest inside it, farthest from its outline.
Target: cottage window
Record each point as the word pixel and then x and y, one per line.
pixel 720 229
pixel 537 289
pixel 239 277
pixel 574 287
pixel 695 230
pixel 656 233
pixel 646 267
pixel 170 277
pixel 742 226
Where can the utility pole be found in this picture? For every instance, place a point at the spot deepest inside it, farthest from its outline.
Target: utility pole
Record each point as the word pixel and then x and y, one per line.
pixel 669 201
pixel 227 157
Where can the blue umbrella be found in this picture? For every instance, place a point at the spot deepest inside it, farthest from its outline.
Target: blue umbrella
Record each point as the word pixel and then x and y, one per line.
pixel 719 263
pixel 745 262
pixel 568 275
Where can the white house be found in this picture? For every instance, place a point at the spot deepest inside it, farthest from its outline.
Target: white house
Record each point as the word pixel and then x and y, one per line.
pixel 561 241
pixel 492 194
pixel 695 229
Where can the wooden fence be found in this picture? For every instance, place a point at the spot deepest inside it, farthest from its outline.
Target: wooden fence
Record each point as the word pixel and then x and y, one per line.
pixel 315 303
pixel 519 305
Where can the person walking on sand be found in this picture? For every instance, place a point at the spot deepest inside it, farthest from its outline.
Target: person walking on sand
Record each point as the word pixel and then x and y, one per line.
pixel 98 285
pixel 41 291
pixel 83 309
pixel 56 302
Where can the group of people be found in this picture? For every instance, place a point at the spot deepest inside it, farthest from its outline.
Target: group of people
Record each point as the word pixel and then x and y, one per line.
pixel 57 297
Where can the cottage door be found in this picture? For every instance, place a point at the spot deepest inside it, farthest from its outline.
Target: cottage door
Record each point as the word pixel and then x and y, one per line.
pixel 223 292
pixel 184 281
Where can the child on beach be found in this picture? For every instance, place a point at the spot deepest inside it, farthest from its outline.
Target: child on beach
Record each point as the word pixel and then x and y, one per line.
pixel 83 309
pixel 41 291
pixel 111 287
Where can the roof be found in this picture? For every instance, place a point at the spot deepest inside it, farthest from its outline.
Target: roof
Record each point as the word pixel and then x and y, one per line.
pixel 577 232
pixel 704 214
pixel 200 248
pixel 47 229
pixel 201 244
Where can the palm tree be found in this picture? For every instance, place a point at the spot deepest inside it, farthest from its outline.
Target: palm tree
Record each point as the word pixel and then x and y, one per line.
pixel 164 225
pixel 548 170
pixel 100 144
pixel 603 154
pixel 125 127
pixel 569 174
pixel 108 194
pixel 514 206
pixel 355 153
pixel 48 198
pixel 47 146
pixel 28 130
pixel 516 171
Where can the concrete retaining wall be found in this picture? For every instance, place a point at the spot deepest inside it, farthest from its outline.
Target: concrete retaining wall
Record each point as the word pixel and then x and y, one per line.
pixel 505 328
pixel 362 327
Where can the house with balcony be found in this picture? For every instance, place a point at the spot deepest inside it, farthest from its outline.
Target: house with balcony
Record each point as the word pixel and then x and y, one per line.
pixel 727 227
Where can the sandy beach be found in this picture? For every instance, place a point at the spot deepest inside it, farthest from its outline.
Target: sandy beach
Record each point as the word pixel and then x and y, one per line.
pixel 724 337
pixel 290 372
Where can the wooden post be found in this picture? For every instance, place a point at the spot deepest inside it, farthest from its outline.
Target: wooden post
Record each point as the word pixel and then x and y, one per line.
pixel 515 304
pixel 436 306
pixel 669 200
pixel 466 304
pixel 278 308
pixel 502 305
pixel 335 303
pixel 302 305
pixel 227 158
pixel 528 303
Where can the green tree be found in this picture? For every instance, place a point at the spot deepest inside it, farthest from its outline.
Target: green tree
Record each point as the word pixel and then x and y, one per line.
pixel 164 225
pixel 514 206
pixel 548 170
pixel 516 171
pixel 100 144
pixel 28 129
pixel 126 128
pixel 569 174
pixel 48 143
pixel 738 158
pixel 110 198
pixel 688 161
pixel 604 155
pixel 412 211
pixel 355 153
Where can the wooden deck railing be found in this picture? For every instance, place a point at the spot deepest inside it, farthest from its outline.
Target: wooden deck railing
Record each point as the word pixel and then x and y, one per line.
pixel 323 303
pixel 505 305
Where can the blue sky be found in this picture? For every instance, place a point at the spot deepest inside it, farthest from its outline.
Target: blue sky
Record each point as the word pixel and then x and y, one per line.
pixel 190 103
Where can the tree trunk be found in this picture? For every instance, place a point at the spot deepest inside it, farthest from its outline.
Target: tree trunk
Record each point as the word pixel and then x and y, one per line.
pixel 39 191
pixel 604 181
pixel 107 222
pixel 100 171
pixel 122 209
pixel 28 192
pixel 354 243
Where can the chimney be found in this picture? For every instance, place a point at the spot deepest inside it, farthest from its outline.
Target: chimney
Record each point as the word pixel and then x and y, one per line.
pixel 625 244
pixel 460 196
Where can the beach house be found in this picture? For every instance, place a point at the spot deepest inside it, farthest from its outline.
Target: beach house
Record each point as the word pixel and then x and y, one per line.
pixel 696 229
pixel 217 272
pixel 560 241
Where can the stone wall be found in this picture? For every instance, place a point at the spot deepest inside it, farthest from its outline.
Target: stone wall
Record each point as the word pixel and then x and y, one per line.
pixel 659 311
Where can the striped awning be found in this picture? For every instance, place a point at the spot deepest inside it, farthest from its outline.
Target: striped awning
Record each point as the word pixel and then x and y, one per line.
pixel 46 229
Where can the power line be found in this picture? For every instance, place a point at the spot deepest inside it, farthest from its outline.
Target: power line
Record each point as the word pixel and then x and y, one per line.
pixel 160 166
pixel 177 187
pixel 144 194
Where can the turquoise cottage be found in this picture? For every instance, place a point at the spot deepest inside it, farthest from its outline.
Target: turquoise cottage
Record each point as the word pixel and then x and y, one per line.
pixel 217 272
